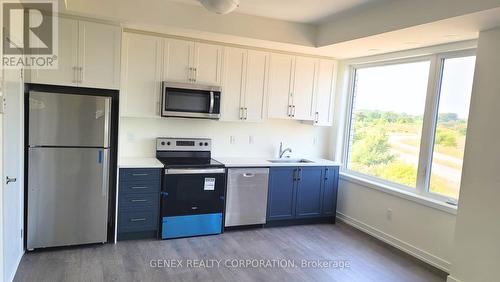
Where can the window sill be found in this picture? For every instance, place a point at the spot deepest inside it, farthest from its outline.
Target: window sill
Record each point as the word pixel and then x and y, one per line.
pixel 426 201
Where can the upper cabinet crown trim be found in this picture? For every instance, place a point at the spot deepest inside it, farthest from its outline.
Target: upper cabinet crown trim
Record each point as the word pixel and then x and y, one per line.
pixel 233 45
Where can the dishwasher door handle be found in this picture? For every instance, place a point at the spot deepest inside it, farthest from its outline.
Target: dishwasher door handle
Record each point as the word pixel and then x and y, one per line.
pixel 248 174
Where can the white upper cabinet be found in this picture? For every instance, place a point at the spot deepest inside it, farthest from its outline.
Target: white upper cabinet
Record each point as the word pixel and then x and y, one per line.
pixel 141 75
pixel 280 85
pixel 256 85
pixel 66 72
pixel 207 63
pixel 233 85
pixel 303 88
pixel 178 60
pixel 89 56
pixel 99 55
pixel 244 87
pixel 192 62
pixel 325 90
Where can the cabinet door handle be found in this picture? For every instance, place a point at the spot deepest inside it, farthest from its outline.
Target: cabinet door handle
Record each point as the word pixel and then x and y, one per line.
pixel 138 200
pixel 138 219
pixel 293 110
pixel 140 174
pixel 316 118
pixel 326 173
pixel 139 187
pixel 241 113
pixel 75 75
pixel 299 174
pixel 289 113
pixel 80 69
pixel 246 113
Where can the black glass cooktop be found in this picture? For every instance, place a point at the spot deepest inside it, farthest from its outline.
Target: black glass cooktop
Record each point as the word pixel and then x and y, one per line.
pixel 190 162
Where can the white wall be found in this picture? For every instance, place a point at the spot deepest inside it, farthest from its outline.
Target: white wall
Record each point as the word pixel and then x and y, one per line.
pixel 420 230
pixel 137 136
pixel 477 242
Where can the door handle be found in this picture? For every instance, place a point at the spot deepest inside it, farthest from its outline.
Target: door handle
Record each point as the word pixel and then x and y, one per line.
pixel 10 179
pixel 212 102
pixel 138 219
pixel 138 200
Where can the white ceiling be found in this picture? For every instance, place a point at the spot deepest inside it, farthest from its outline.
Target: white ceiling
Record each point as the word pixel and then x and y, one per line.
pixel 302 11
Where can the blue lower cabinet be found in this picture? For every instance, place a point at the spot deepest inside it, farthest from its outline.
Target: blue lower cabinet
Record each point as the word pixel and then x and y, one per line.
pixel 302 192
pixel 191 225
pixel 281 198
pixel 309 192
pixel 330 189
pixel 138 203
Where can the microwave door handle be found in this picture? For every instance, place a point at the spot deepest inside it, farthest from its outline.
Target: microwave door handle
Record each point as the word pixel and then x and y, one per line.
pixel 212 102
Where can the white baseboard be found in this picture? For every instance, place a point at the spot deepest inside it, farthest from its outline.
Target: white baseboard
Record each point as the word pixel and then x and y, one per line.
pixel 452 279
pixel 397 243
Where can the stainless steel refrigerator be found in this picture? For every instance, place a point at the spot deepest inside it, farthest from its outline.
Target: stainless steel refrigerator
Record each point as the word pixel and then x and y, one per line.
pixel 68 169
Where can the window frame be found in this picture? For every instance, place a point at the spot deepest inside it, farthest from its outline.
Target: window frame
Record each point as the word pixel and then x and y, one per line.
pixel 429 123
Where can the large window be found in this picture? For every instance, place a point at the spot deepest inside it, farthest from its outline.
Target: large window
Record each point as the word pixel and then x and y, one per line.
pixel 408 121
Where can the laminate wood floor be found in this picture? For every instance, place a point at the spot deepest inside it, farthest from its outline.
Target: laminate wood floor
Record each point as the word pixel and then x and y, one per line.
pixel 364 258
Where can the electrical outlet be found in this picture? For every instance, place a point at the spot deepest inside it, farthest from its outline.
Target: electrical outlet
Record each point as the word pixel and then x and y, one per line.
pixel 250 139
pixel 389 214
pixel 315 141
pixel 232 140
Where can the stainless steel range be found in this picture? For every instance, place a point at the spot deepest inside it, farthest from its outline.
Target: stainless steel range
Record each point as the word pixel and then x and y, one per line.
pixel 193 188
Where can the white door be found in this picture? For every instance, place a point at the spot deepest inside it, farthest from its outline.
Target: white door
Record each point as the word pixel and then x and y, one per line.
pixel 207 63
pixel 141 76
pixel 256 85
pixel 66 72
pixel 324 92
pixel 280 81
pixel 99 55
pixel 303 90
pixel 234 81
pixel 177 62
pixel 13 163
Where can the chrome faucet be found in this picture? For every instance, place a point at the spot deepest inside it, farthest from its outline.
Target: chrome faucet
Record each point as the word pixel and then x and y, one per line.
pixel 282 152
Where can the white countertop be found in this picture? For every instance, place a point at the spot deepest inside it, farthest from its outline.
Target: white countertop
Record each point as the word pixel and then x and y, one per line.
pixel 139 163
pixel 133 162
pixel 263 162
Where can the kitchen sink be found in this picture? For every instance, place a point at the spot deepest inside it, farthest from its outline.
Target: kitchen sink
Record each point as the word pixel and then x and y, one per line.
pixel 290 161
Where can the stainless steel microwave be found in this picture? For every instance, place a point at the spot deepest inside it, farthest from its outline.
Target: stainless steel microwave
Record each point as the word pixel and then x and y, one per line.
pixel 190 100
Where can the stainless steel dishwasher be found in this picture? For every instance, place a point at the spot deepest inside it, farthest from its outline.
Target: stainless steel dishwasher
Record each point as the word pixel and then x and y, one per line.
pixel 246 196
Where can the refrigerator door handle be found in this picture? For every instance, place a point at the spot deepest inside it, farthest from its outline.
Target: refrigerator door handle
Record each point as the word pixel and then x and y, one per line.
pixel 107 121
pixel 105 172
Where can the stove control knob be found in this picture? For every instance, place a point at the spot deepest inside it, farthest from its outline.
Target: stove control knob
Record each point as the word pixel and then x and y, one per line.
pixel 162 143
pixel 201 143
pixel 168 143
pixel 206 143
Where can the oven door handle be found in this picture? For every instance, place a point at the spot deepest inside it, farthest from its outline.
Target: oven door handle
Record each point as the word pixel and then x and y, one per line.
pixel 195 171
pixel 212 102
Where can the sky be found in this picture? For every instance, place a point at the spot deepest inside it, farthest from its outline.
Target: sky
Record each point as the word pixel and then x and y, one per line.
pixel 402 88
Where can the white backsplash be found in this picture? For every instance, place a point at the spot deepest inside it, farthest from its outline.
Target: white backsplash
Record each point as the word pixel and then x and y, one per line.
pixel 230 139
